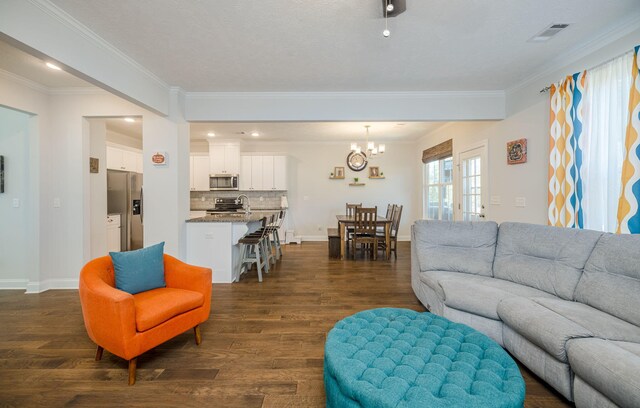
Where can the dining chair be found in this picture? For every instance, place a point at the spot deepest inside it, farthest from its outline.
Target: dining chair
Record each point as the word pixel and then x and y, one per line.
pixel 350 211
pixel 393 233
pixel 364 230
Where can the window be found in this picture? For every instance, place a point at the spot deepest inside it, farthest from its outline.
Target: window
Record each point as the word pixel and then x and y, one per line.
pixel 438 190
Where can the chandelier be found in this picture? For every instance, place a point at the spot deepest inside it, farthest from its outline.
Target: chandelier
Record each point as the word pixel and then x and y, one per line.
pixel 371 150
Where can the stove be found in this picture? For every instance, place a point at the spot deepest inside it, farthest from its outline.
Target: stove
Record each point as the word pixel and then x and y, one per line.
pixel 226 206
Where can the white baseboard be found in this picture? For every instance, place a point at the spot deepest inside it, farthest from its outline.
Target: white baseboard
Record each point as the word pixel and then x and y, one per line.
pixel 48 284
pixel 7 284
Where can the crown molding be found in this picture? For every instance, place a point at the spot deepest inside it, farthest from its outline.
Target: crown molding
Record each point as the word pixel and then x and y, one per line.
pixel 88 90
pixel 615 32
pixel 24 81
pixel 343 95
pixel 63 17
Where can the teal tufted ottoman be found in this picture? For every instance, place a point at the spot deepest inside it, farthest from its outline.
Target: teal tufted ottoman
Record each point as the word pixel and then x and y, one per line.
pixel 402 358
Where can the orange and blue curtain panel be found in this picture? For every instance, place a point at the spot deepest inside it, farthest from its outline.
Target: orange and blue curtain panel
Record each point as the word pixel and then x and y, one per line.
pixel 565 152
pixel 628 206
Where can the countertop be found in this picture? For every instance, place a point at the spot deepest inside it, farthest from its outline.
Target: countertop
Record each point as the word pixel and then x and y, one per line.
pixel 244 218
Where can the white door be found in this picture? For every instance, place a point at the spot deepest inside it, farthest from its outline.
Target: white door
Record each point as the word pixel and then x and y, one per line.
pixel 216 155
pixel 472 185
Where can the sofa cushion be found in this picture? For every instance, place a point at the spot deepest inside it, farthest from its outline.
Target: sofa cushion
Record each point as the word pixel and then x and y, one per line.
pixel 546 258
pixel 601 324
pixel 139 270
pixel 156 306
pixel 610 367
pixel 467 247
pixel 540 325
pixel 611 279
pixel 482 297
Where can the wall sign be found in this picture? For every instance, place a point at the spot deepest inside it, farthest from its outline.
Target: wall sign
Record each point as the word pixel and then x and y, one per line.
pixel 159 159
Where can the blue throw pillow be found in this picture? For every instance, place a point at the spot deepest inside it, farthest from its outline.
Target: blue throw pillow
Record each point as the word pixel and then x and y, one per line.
pixel 140 270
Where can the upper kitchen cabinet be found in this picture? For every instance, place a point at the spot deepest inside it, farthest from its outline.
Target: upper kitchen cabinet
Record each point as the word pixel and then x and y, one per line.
pixel 225 158
pixel 263 172
pixel 199 173
pixel 123 159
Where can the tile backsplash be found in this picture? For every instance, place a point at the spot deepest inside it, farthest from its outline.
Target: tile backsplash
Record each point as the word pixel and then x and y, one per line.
pixel 204 200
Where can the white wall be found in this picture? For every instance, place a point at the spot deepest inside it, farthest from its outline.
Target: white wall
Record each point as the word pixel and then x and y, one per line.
pixel 315 200
pixel 59 163
pixel 98 187
pixel 528 180
pixel 15 243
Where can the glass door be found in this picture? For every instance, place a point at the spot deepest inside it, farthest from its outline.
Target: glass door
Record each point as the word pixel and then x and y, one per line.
pixel 472 187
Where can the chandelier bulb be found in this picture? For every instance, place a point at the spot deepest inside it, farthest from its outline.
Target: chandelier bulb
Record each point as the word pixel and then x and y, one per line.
pixel 386 33
pixel 390 7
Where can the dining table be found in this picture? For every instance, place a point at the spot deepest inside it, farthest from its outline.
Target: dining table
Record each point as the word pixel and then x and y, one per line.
pixel 349 220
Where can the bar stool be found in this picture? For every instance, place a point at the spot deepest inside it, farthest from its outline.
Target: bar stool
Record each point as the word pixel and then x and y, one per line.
pixel 265 242
pixel 253 250
pixel 275 235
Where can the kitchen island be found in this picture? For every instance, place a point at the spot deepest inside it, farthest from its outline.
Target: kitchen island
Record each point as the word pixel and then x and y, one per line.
pixel 212 241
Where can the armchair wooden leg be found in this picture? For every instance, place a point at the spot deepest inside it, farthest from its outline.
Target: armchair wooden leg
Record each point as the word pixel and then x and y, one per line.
pixel 196 330
pixel 99 351
pixel 132 370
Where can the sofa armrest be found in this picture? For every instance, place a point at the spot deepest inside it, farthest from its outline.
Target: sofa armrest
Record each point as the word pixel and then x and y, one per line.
pixel 109 314
pixel 180 275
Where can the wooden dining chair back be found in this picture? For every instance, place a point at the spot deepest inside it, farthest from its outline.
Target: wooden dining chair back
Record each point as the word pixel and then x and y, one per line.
pixel 364 229
pixel 390 208
pixel 351 209
pixel 395 226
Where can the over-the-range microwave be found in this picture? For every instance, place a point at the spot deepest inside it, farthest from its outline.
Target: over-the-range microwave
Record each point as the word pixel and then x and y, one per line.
pixel 221 182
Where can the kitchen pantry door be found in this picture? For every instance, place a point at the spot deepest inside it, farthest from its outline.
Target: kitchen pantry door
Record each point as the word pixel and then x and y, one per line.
pixel 472 183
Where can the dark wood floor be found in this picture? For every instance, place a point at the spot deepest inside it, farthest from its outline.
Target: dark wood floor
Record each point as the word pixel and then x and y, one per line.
pixel 262 346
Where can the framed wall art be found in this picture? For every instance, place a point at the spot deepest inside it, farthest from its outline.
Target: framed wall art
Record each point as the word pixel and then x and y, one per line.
pixel 517 151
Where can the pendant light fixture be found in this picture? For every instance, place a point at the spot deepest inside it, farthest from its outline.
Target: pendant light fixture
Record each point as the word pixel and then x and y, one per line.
pixel 371 150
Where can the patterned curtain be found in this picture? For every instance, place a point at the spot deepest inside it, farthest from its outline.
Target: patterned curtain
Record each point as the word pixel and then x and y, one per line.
pixel 628 211
pixel 565 152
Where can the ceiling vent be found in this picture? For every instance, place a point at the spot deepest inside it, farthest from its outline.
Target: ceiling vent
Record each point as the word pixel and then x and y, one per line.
pixel 548 32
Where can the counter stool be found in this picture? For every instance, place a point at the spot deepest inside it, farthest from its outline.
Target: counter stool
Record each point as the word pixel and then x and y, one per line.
pixel 275 235
pixel 253 250
pixel 265 242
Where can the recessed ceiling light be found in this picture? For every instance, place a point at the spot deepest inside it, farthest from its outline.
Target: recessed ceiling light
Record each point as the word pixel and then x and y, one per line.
pixel 130 120
pixel 211 134
pixel 53 66
pixel 255 134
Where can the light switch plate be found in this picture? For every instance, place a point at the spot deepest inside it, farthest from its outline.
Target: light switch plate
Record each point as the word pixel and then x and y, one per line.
pixel 496 200
pixel 56 203
pixel 16 202
pixel 521 202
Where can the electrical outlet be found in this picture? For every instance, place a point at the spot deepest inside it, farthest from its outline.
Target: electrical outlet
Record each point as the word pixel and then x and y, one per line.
pixel 521 202
pixel 203 199
pixel 16 202
pixel 495 200
pixel 261 198
pixel 56 202
pixel 305 198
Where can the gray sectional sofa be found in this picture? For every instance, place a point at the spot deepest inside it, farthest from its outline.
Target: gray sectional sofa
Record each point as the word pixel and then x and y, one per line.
pixel 564 302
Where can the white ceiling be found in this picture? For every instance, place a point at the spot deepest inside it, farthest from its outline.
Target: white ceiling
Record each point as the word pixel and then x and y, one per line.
pixel 34 69
pixel 337 45
pixel 314 131
pixel 119 125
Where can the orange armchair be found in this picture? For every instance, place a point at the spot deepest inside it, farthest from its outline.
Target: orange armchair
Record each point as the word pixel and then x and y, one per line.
pixel 129 325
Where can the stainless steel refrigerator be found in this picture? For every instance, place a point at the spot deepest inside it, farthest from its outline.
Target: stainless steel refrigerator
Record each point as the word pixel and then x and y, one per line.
pixel 125 197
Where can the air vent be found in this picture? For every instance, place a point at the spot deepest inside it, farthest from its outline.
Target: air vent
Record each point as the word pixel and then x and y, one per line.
pixel 548 32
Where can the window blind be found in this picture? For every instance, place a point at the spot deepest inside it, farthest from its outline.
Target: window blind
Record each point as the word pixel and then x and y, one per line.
pixel 438 152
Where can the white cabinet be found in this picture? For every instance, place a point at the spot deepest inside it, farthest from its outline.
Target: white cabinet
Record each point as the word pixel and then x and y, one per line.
pixel 245 173
pixel 113 233
pixel 122 159
pixel 225 158
pixel 263 173
pixel 279 172
pixel 199 173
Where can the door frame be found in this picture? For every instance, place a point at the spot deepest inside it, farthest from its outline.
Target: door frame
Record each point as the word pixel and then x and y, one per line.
pixel 484 174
